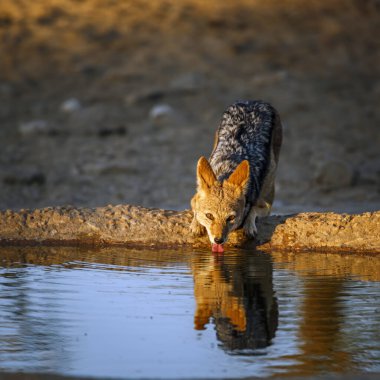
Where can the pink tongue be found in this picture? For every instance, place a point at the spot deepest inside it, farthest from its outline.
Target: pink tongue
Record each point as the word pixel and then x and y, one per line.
pixel 217 248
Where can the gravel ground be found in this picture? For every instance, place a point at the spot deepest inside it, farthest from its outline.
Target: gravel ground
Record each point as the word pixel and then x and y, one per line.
pixel 108 102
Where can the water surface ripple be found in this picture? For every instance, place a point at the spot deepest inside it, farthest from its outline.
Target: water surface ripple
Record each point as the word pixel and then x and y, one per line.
pixel 177 314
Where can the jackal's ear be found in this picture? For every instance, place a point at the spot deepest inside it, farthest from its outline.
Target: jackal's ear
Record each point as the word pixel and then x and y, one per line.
pixel 205 175
pixel 240 175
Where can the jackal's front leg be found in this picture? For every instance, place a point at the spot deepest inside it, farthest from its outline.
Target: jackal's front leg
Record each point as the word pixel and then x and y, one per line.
pixel 249 227
pixel 262 208
pixel 196 228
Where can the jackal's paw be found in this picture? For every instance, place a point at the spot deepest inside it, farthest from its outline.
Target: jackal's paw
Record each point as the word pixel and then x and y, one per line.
pixel 250 230
pixel 196 228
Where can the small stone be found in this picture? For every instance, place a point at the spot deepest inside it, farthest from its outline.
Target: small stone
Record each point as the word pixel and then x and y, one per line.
pixel 334 174
pixel 161 114
pixel 34 127
pixel 70 105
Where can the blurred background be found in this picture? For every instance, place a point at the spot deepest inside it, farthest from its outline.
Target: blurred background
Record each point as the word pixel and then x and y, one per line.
pixel 113 101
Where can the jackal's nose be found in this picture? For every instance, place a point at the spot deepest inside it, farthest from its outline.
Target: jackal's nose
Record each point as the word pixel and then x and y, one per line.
pixel 219 240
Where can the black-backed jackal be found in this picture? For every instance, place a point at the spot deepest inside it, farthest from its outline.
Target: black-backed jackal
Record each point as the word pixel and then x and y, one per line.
pixel 237 183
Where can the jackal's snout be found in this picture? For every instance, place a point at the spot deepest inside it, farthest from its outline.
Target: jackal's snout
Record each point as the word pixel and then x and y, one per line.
pixel 218 233
pixel 219 240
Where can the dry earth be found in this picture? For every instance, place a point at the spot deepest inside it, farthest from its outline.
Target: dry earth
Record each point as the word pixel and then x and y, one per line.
pixel 127 225
pixel 149 80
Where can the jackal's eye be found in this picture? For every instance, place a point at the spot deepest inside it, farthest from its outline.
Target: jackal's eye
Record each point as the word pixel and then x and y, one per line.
pixel 231 218
pixel 209 216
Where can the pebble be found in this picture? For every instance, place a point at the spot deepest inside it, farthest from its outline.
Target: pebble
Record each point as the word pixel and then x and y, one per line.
pixel 161 114
pixel 70 105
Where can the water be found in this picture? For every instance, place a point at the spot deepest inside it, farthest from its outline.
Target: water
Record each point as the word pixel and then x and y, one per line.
pixel 177 314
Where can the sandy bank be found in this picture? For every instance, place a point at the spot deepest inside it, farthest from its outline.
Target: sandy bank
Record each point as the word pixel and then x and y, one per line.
pixel 133 225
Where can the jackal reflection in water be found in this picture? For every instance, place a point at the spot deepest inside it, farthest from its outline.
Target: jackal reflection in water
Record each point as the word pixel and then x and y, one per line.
pixel 236 293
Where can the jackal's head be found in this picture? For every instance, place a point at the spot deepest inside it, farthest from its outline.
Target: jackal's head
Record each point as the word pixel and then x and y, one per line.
pixel 219 206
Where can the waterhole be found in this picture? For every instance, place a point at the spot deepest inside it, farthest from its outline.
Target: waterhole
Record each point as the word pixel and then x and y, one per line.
pixel 177 314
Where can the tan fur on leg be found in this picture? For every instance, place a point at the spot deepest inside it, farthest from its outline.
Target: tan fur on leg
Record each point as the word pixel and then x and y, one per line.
pixel 196 228
pixel 262 208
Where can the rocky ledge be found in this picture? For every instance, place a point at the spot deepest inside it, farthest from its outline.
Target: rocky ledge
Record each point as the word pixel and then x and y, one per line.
pixel 132 226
